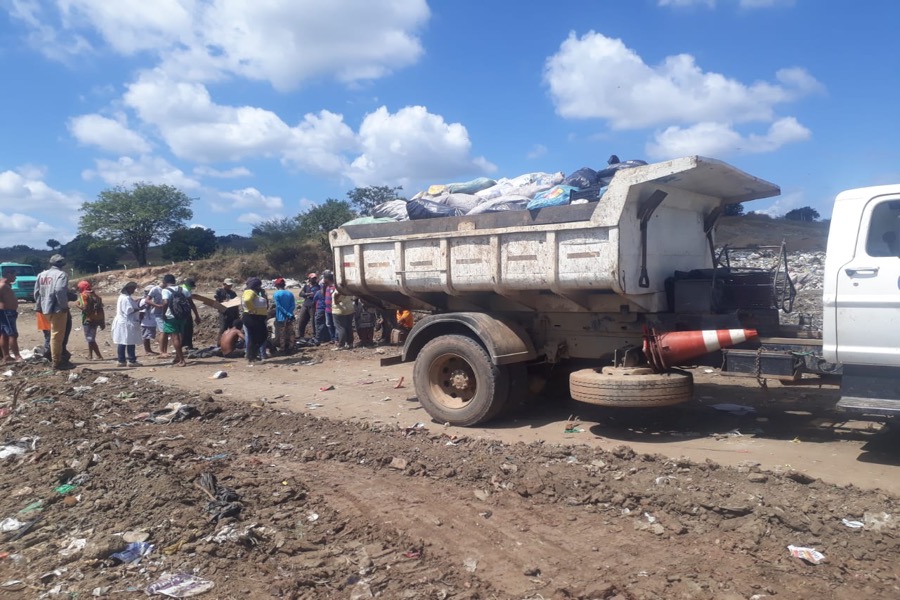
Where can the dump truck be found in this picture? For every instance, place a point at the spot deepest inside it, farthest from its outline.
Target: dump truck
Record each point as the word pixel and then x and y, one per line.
pixel 632 284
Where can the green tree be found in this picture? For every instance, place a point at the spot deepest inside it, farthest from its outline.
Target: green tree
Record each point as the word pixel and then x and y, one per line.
pixel 734 210
pixel 274 231
pixel 136 217
pixel 315 223
pixel 53 244
pixel 191 243
pixel 806 213
pixel 364 199
pixel 88 253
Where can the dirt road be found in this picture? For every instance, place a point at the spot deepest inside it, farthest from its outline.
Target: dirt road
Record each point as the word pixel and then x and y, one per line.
pixel 353 492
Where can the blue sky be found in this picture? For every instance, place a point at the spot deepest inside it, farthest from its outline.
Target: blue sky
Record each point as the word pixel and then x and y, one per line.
pixel 263 109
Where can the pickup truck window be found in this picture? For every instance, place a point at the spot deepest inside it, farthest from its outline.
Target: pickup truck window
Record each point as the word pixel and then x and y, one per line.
pixel 883 238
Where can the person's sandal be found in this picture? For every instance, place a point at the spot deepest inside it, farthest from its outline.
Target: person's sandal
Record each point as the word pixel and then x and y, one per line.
pixel 121 364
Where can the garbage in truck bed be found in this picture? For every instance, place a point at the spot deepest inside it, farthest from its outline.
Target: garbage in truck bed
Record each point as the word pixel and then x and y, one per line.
pixel 529 191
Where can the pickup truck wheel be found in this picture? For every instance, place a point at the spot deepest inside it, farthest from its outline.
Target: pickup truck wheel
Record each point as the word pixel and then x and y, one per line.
pixel 630 388
pixel 457 383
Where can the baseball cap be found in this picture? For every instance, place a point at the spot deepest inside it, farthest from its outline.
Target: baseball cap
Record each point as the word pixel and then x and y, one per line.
pixel 57 260
pixel 312 276
pixel 279 281
pixel 228 281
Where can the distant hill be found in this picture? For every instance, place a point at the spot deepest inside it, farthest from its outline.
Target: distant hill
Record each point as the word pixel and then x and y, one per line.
pixel 758 230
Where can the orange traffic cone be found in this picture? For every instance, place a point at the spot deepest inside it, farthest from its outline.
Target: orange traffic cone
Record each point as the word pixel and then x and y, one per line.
pixel 666 350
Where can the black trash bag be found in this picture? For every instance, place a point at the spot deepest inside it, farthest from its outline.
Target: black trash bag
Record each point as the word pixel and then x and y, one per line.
pixel 606 175
pixel 584 177
pixel 426 209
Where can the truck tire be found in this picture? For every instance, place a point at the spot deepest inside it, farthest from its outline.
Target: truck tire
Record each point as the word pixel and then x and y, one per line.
pixel 630 388
pixel 457 383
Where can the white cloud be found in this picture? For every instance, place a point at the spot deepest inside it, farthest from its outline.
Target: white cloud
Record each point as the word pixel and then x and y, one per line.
pixel 251 218
pixel 284 42
pixel 306 204
pixel 782 205
pixel 720 140
pixel 17 228
pixel 247 198
pixel 203 171
pixel 112 135
pixel 128 171
pixel 25 188
pixel 595 76
pixel 412 143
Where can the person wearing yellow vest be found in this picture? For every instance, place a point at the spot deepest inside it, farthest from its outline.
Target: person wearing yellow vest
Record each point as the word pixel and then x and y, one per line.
pixel 255 307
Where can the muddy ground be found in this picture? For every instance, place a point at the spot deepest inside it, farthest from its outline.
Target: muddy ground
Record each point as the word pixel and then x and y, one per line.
pixel 376 500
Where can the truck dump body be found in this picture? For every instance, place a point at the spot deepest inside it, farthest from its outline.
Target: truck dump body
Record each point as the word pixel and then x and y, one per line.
pixel 578 258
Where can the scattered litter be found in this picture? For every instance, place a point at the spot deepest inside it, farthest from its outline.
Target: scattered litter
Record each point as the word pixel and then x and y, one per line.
pixel 13 585
pixel 102 379
pixel 223 501
pixel 11 450
pixel 665 479
pixel 73 377
pixel 399 384
pixel 312 517
pixel 131 537
pixel 413 554
pixel 36 506
pixel 650 518
pixel 133 553
pixel 80 389
pixel 573 430
pixel 174 412
pixel 76 545
pixel 180 585
pixel 365 382
pixel 327 388
pixel 879 521
pixel 738 410
pixel 470 564
pixel 709 370
pixel 219 375
pixel 853 524
pixel 8 373
pixel 313 405
pixel 10 524
pixel 810 555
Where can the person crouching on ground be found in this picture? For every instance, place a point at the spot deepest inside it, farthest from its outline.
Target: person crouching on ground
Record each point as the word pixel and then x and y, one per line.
pixel 126 326
pixel 343 310
pixel 284 317
pixel 256 309
pixel 230 340
pixel 92 316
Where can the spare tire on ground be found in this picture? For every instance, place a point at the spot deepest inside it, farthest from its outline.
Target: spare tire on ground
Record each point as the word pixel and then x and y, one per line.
pixel 630 387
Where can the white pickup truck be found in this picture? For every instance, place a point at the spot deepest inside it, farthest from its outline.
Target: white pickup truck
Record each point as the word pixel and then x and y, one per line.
pixel 605 282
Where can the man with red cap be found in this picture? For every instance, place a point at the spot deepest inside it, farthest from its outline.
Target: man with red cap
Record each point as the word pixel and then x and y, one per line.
pixel 284 317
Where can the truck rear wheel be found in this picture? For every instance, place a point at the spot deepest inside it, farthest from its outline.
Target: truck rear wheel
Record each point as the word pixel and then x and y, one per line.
pixel 630 387
pixel 457 383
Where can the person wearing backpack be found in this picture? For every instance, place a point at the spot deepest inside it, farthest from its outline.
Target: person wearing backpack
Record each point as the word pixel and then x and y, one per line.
pixel 92 316
pixel 176 309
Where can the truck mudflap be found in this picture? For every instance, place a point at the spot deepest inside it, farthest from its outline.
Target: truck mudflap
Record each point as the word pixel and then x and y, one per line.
pixel 870 391
pixel 505 341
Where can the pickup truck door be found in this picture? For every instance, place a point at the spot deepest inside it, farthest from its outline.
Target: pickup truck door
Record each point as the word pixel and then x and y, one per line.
pixel 868 289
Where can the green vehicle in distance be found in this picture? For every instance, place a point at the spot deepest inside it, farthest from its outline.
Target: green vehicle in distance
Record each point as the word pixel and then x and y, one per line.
pixel 26 277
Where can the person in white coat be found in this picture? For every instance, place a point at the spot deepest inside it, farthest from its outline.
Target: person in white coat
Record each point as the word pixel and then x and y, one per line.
pixel 126 326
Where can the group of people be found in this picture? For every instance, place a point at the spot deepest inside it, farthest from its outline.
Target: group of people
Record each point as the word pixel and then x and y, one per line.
pixel 167 314
pixel 332 315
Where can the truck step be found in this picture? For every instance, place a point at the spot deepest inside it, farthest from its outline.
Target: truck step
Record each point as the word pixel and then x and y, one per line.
pixel 869 406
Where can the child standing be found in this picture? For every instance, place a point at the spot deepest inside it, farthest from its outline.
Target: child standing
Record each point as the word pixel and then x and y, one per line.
pixel 148 322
